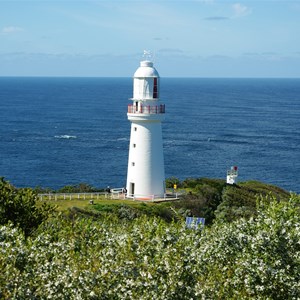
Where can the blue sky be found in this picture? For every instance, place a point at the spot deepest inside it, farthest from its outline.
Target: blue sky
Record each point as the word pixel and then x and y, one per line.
pixel 204 38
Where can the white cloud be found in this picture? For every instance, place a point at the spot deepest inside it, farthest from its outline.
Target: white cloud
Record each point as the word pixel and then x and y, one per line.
pixel 11 29
pixel 240 10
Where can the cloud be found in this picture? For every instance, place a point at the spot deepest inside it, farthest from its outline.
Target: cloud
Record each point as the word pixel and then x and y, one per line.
pixel 240 10
pixel 270 53
pixel 11 29
pixel 207 1
pixel 170 50
pixel 250 54
pixel 218 57
pixel 216 18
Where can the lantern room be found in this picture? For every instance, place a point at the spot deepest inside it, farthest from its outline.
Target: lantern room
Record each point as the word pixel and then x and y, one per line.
pixel 146 82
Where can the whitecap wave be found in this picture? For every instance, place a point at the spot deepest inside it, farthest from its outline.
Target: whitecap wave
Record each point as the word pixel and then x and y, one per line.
pixel 65 136
pixel 123 139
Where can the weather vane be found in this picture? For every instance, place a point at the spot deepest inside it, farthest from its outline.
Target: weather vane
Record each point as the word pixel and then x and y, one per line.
pixel 147 55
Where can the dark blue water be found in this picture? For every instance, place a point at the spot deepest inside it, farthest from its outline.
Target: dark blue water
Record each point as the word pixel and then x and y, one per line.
pixel 60 131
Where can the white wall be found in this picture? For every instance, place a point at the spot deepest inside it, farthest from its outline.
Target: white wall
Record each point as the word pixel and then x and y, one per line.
pixel 147 173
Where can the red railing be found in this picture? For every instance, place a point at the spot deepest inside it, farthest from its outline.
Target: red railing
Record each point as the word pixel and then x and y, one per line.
pixel 146 109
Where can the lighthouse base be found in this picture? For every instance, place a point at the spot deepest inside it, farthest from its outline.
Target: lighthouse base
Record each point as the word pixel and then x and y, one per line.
pixel 145 177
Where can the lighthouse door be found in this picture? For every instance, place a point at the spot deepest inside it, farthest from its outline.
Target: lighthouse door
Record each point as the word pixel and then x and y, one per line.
pixel 131 192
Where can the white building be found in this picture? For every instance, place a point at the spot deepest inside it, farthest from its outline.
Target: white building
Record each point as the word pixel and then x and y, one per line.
pixel 146 175
pixel 232 175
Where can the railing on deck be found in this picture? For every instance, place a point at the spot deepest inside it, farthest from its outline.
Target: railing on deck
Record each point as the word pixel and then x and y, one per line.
pixel 146 109
pixel 165 197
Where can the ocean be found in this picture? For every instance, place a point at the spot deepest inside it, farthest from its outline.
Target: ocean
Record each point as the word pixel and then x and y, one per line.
pixel 64 131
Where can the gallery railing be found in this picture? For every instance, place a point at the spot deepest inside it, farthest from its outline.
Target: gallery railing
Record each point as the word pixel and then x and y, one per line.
pixel 146 109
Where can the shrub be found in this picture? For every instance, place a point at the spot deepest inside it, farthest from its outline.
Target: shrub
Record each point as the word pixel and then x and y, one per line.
pixel 205 198
pixel 20 207
pixel 171 181
pixel 239 201
pixel 79 188
pixel 254 259
pixel 147 258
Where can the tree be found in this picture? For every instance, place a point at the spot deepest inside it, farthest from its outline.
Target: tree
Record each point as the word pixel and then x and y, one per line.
pixel 19 206
pixel 171 181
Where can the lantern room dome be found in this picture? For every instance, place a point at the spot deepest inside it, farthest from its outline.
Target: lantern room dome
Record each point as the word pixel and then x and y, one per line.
pixel 146 69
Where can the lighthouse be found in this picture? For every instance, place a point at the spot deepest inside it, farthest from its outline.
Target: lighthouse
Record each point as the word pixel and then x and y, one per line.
pixel 145 173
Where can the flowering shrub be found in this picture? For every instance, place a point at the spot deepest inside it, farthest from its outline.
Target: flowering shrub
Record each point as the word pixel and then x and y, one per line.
pixel 256 259
pixel 150 259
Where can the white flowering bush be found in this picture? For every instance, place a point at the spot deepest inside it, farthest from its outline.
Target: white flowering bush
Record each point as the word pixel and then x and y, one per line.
pixel 150 259
pixel 254 259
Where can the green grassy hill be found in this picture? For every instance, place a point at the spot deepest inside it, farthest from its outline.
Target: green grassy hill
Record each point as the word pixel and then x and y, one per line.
pixel 126 250
pixel 212 199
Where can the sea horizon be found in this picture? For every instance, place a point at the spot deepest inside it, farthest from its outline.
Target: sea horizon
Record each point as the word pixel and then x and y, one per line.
pixel 211 124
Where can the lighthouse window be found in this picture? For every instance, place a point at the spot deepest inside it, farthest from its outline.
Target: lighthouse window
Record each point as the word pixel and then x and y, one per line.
pixel 135 129
pixel 133 164
pixel 134 145
pixel 155 88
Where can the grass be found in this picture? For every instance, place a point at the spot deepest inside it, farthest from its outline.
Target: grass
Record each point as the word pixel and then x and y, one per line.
pixel 65 204
pixel 208 198
pixel 123 208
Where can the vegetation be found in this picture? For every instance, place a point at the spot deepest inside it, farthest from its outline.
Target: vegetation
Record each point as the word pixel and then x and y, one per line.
pixel 19 206
pixel 214 199
pixel 147 258
pixel 79 188
pixel 130 212
pixel 131 250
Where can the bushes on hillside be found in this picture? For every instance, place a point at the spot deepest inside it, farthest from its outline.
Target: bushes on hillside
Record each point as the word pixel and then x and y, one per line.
pixel 19 206
pixel 123 211
pixel 147 258
pixel 214 199
pixel 239 201
pixel 79 188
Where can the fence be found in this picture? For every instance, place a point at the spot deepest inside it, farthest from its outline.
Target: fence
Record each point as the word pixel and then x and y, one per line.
pixel 71 196
pixel 117 193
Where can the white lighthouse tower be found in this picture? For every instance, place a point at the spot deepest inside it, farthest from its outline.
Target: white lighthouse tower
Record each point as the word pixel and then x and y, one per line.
pixel 146 175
